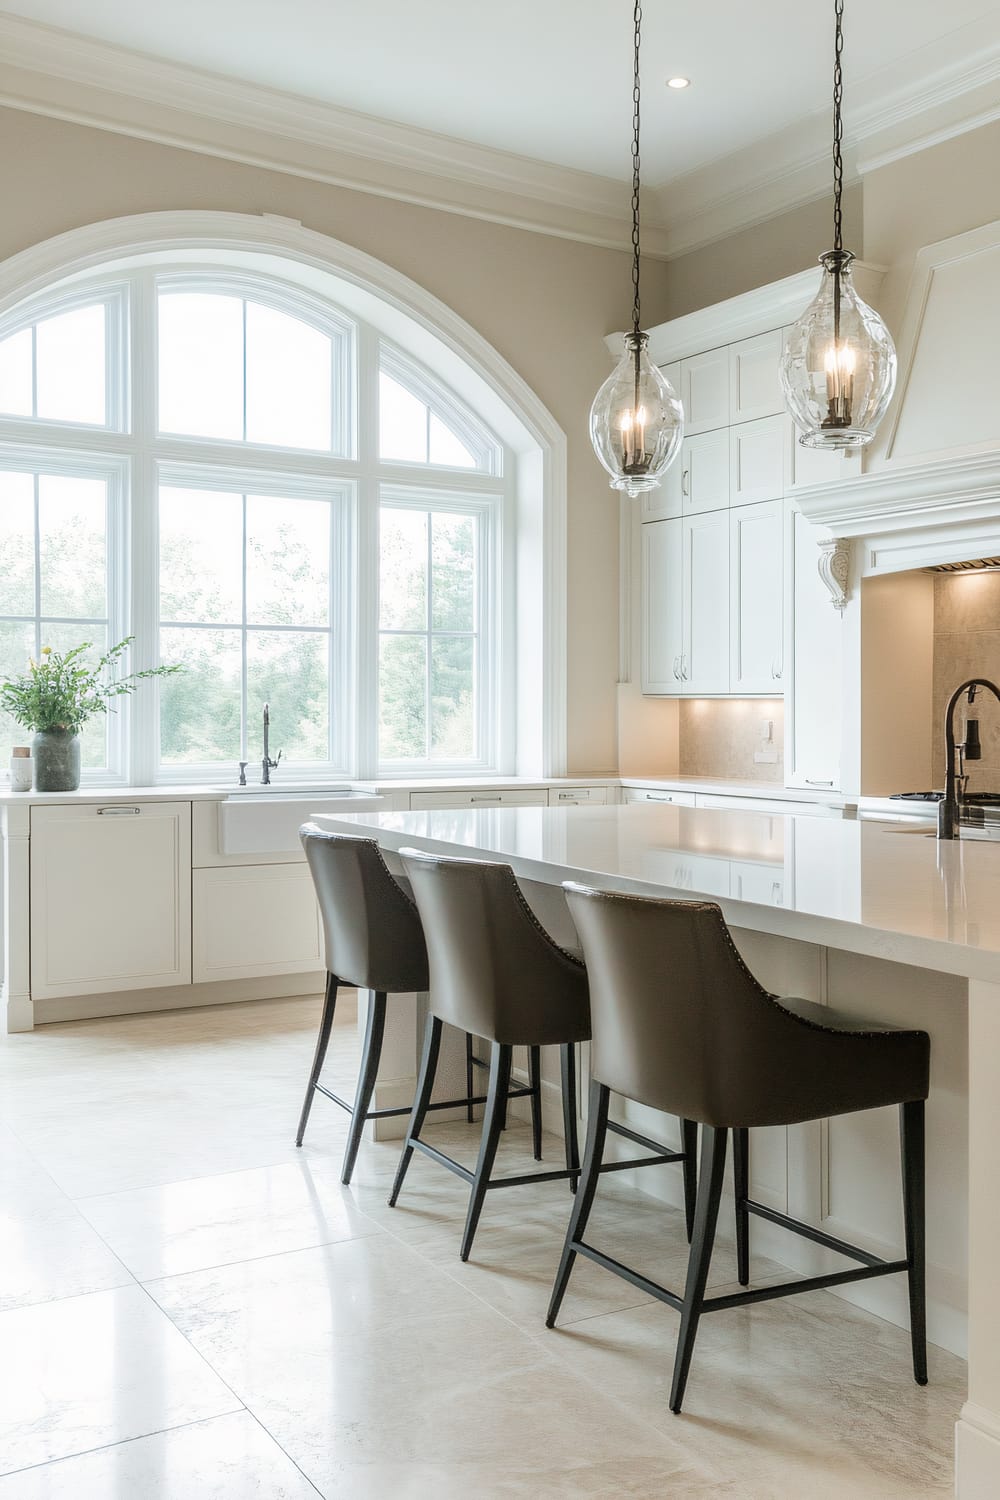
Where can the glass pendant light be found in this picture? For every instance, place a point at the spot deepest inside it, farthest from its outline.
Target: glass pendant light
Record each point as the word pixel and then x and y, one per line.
pixel 838 370
pixel 636 421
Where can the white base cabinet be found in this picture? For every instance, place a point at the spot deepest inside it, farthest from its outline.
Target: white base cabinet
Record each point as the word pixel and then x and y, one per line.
pixel 251 920
pixel 110 898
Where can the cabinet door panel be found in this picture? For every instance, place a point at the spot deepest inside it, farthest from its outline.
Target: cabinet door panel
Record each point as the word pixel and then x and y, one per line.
pixel 756 584
pixel 705 391
pixel 757 461
pixel 814 666
pixel 110 898
pixel 754 386
pixel 662 606
pixel 705 472
pixel 255 919
pixel 706 603
pixel 665 501
pixel 804 466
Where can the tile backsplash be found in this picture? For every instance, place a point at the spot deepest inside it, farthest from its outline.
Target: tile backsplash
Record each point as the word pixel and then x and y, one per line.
pixel 718 737
pixel 967 644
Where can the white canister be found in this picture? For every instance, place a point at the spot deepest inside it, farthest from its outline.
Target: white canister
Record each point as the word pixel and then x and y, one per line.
pixel 20 769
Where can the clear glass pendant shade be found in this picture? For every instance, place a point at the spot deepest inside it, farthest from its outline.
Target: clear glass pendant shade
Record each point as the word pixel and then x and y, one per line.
pixel 838 369
pixel 636 421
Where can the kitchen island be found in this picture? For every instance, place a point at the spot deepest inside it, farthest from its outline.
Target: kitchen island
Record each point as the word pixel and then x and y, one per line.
pixel 877 918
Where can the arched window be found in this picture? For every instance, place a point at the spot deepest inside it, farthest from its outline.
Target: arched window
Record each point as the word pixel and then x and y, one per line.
pixel 253 482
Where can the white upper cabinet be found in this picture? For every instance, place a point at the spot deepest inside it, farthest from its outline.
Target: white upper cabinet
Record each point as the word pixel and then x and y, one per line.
pixel 754 386
pixel 756 577
pixel 705 657
pixel 815 465
pixel 814 671
pixel 705 391
pixel 705 466
pixel 756 460
pixel 662 607
pixel 665 500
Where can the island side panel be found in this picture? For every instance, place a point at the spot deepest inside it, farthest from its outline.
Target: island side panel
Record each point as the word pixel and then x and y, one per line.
pixel 977 1433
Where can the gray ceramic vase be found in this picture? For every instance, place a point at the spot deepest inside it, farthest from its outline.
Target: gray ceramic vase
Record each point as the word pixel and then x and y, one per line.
pixel 55 755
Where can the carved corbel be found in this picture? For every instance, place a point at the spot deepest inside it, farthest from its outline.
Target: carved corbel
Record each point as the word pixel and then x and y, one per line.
pixel 835 569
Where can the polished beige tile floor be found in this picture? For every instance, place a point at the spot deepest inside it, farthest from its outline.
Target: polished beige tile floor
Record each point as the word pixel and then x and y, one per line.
pixel 192 1309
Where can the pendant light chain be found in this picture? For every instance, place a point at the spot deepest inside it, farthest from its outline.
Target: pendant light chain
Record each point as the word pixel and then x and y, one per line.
pixel 838 128
pixel 637 21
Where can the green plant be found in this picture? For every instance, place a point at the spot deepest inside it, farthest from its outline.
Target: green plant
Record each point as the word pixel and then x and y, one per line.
pixel 61 692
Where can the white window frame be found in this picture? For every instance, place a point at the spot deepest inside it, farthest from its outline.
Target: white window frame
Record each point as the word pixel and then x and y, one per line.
pixel 487 512
pixel 114 474
pixel 131 447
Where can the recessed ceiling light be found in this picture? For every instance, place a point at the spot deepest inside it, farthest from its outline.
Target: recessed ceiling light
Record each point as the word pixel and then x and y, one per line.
pixel 678 83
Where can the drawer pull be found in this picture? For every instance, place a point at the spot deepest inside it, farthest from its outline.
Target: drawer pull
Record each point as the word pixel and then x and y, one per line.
pixel 118 812
pixel 811 782
pixel 485 799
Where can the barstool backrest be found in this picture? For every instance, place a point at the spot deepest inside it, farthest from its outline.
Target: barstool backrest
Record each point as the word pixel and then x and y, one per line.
pixel 370 923
pixel 682 1025
pixel 494 970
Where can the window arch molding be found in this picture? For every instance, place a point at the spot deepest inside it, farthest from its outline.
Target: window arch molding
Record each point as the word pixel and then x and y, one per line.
pixel 422 327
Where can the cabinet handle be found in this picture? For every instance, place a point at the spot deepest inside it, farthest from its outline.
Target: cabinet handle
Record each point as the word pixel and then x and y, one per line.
pixel 485 799
pixel 677 670
pixel 776 892
pixel 118 812
pixel 684 670
pixel 685 486
pixel 811 782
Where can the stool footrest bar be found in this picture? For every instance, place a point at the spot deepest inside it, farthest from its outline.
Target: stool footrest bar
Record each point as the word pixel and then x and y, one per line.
pixel 644 1140
pixel 808 1284
pixel 641 1161
pixel 809 1233
pixel 651 1288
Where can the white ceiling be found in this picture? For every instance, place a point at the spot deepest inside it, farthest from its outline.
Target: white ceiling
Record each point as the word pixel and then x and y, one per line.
pixel 550 79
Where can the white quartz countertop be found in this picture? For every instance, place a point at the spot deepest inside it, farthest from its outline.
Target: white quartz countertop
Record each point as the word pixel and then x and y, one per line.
pixel 888 890
pixel 202 792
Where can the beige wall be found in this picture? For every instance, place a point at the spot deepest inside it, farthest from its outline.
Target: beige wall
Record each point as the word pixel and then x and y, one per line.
pixel 754 257
pixel 544 303
pixel 967 644
pixel 897 657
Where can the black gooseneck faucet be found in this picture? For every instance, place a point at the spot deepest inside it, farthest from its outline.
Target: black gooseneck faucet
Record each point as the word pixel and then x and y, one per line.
pixel 949 810
pixel 267 765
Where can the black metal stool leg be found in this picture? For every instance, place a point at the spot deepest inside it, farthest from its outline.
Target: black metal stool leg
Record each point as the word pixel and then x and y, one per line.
pixel 689 1145
pixel 425 1085
pixel 470 1075
pixel 741 1184
pixel 319 1057
pixel 496 1101
pixel 567 1060
pixel 597 1131
pixel 371 1053
pixel 535 1084
pixel 713 1166
pixel 911 1139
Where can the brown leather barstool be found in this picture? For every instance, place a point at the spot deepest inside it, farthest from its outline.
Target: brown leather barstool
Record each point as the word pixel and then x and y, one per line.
pixel 680 1024
pixel 496 972
pixel 373 941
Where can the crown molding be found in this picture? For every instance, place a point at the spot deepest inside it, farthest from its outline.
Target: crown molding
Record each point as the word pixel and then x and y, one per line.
pixel 888 117
pixel 56 73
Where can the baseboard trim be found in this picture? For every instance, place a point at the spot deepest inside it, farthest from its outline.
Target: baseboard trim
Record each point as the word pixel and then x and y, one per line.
pixel 176 997
pixel 977 1453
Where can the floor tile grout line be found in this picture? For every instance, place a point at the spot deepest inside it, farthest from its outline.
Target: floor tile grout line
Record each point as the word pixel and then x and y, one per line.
pixel 154 1187
pixel 139 1437
pixel 243 1405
